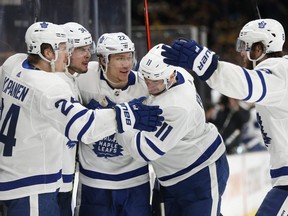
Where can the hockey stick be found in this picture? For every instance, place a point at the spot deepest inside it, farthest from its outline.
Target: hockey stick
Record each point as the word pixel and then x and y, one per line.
pixel 159 203
pixel 147 25
pixel 257 9
pixel 37 10
pixel 158 208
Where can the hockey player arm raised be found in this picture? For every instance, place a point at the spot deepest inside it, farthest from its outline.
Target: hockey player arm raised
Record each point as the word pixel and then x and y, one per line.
pixel 262 85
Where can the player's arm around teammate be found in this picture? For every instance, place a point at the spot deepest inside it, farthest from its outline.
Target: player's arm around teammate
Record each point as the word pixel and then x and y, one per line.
pixel 38 110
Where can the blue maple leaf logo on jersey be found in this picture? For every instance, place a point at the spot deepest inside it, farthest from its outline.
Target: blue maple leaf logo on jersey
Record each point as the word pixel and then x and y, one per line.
pixel 108 147
pixel 43 25
pixel 262 24
pixel 266 138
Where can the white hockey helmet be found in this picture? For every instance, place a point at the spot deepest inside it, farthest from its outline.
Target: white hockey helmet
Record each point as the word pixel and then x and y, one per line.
pixel 79 35
pixel 268 31
pixel 44 32
pixel 114 43
pixel 152 66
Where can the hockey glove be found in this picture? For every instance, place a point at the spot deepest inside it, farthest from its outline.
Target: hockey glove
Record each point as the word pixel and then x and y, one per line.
pixel 191 55
pixel 137 115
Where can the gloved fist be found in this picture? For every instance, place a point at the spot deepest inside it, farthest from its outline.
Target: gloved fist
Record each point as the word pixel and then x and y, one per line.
pixel 137 115
pixel 191 55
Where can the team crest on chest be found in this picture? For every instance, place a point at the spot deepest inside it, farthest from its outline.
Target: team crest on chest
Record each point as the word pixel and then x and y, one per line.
pixel 108 147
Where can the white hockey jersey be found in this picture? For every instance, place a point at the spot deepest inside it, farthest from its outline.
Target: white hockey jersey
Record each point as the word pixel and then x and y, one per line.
pixel 70 147
pixel 267 86
pixel 106 164
pixel 251 136
pixel 36 109
pixel 185 143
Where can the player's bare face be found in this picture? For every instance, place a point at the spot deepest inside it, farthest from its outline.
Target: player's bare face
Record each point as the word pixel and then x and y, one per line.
pixel 155 87
pixel 62 59
pixel 119 67
pixel 80 59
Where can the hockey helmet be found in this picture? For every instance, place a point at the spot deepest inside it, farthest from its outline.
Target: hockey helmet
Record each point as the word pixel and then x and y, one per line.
pixel 79 35
pixel 44 32
pixel 152 66
pixel 268 31
pixel 114 43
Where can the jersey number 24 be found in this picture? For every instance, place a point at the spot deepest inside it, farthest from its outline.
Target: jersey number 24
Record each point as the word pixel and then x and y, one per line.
pixel 8 128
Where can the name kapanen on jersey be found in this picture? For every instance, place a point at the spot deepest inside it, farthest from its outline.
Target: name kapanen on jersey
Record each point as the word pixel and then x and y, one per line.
pixel 14 89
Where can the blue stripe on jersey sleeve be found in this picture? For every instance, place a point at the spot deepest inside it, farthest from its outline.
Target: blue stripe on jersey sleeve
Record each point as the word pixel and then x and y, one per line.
pixel 86 126
pixel 150 144
pixel 73 119
pixel 263 85
pixel 138 143
pixel 154 147
pixel 250 84
pixel 205 156
pixel 275 173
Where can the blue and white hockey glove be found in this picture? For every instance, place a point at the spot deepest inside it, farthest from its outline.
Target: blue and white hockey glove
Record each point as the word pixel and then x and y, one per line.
pixel 191 55
pixel 137 115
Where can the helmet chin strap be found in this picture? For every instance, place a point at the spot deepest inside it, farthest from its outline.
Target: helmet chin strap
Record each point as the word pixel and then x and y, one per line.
pixel 105 74
pixel 168 83
pixel 74 75
pixel 254 61
pixel 105 70
pixel 52 62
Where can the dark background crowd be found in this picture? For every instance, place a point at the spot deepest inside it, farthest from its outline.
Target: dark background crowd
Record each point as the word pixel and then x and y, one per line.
pixel 223 19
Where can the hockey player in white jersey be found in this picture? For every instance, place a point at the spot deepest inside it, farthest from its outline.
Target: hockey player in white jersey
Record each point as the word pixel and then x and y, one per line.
pixel 111 181
pixel 265 83
pixel 37 108
pixel 83 47
pixel 187 154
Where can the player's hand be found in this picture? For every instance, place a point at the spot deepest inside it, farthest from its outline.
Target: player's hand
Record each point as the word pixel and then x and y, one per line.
pixel 107 103
pixel 104 104
pixel 93 104
pixel 137 115
pixel 191 55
